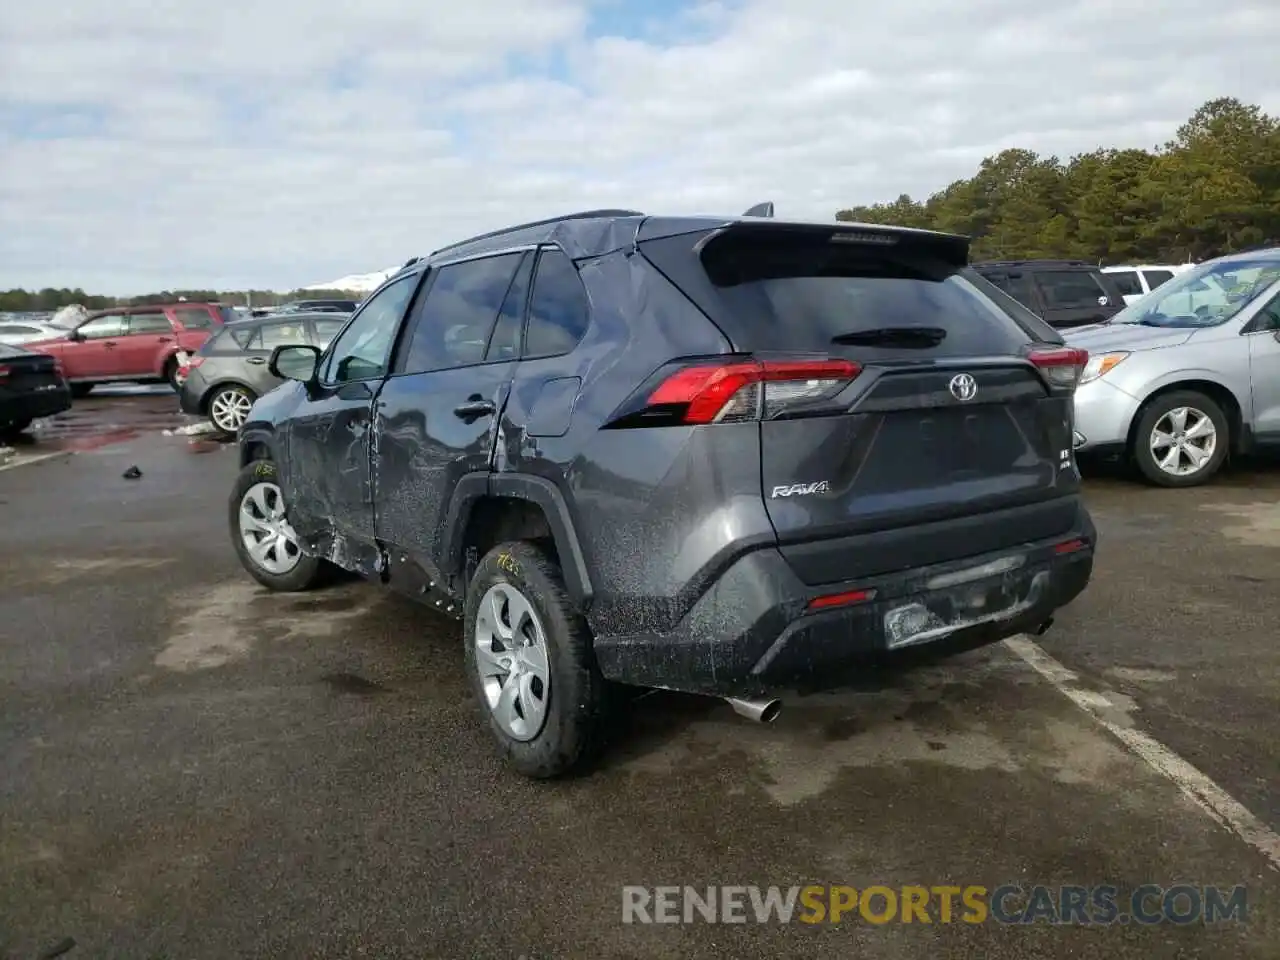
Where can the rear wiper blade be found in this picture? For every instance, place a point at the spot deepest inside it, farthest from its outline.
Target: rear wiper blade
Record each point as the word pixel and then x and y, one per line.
pixel 893 337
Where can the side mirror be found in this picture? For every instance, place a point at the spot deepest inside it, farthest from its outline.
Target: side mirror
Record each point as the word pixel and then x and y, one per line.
pixel 295 362
pixel 75 335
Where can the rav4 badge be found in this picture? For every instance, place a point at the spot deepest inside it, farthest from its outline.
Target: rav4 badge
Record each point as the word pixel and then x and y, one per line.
pixel 800 489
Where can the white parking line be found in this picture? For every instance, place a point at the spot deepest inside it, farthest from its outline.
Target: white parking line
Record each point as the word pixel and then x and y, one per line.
pixel 1202 791
pixel 21 461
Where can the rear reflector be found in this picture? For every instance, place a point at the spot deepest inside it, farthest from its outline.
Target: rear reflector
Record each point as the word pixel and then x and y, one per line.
pixel 4 373
pixel 1061 366
pixel 1069 546
pixel 718 393
pixel 840 599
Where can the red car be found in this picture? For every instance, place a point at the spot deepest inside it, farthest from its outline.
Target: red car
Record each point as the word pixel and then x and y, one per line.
pixel 138 344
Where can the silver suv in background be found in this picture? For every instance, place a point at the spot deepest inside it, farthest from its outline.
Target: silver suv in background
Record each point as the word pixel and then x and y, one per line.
pixel 1188 374
pixel 230 371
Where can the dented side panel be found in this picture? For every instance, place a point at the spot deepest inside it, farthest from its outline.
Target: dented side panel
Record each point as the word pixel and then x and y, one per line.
pixel 328 483
pixel 423 446
pixel 657 514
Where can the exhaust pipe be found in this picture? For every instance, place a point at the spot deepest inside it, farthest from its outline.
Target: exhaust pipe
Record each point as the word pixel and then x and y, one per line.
pixel 761 711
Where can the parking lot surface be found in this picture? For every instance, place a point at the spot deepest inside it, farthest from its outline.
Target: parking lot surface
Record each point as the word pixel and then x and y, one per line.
pixel 196 768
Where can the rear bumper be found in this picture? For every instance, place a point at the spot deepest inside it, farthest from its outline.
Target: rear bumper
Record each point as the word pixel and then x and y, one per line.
pixel 754 631
pixel 192 393
pixel 33 405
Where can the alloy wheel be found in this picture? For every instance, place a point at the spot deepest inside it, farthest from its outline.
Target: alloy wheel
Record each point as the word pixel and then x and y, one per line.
pixel 1183 441
pixel 267 535
pixel 229 409
pixel 513 661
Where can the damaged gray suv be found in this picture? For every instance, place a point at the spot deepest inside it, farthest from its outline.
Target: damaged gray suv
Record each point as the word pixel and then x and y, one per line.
pixel 726 456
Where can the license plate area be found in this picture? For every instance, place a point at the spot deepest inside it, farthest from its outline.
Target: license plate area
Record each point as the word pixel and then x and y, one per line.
pixel 948 609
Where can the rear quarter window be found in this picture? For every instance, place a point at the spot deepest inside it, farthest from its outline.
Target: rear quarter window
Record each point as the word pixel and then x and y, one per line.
pixel 797 295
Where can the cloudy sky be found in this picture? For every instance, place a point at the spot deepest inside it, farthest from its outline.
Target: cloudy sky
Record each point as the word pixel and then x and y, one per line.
pixel 147 144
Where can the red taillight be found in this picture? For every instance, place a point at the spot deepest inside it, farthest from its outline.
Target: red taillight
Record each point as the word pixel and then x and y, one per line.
pixel 4 372
pixel 1061 366
pixel 1069 546
pixel 840 599
pixel 718 393
pixel 193 363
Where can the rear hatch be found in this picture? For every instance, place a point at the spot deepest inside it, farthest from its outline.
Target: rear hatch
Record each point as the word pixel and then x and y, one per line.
pixel 24 372
pixel 905 419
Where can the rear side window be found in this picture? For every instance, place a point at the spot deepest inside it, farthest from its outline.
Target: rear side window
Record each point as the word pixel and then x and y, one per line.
pixel 149 323
pixel 193 318
pixel 559 310
pixel 1069 289
pixel 505 342
pixel 1127 282
pixel 272 335
pixel 1157 277
pixel 326 330
pixel 810 294
pixel 452 323
pixel 235 337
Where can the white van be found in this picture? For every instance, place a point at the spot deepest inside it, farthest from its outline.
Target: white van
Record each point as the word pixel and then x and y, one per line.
pixel 1136 282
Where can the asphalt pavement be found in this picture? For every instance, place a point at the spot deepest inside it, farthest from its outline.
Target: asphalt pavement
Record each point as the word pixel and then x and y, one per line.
pixel 193 767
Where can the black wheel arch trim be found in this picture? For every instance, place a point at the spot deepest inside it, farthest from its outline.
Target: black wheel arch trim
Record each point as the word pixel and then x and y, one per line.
pixel 519 486
pixel 252 436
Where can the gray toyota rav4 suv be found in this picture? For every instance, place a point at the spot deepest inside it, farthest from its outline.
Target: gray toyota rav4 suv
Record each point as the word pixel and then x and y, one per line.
pixel 716 455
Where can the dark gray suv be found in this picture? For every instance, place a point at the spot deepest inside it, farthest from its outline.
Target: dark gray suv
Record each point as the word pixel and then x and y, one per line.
pixel 230 370
pixel 717 455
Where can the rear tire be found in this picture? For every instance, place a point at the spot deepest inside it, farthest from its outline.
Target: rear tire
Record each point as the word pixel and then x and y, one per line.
pixel 518 581
pixel 170 374
pixel 1175 431
pixel 80 390
pixel 257 493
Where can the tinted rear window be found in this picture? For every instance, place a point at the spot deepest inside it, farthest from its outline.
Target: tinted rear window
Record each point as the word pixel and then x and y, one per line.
pixel 792 294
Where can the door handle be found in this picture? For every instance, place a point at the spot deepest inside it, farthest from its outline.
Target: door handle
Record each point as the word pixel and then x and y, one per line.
pixel 257 360
pixel 474 408
pixel 109 344
pixel 166 339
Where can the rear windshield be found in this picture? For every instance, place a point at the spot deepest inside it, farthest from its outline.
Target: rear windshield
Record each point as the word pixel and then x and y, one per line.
pixel 807 294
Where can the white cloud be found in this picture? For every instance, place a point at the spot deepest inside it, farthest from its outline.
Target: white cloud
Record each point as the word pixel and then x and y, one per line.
pixel 164 144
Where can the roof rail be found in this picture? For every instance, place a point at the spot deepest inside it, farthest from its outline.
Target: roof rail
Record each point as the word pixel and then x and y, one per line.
pixel 581 215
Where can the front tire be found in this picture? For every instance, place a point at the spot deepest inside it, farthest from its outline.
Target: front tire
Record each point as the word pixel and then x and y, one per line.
pixel 263 538
pixel 530 658
pixel 229 408
pixel 1182 439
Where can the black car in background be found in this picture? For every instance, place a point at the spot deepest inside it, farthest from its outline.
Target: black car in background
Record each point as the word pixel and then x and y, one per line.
pixel 230 371
pixel 1064 293
pixel 31 386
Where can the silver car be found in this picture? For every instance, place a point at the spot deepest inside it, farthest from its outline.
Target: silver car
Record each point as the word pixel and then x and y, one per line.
pixel 1187 374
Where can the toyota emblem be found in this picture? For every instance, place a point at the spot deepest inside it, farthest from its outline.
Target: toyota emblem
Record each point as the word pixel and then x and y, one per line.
pixel 963 387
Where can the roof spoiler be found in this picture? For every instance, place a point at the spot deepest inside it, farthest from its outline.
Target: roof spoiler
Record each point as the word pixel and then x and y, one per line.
pixel 761 210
